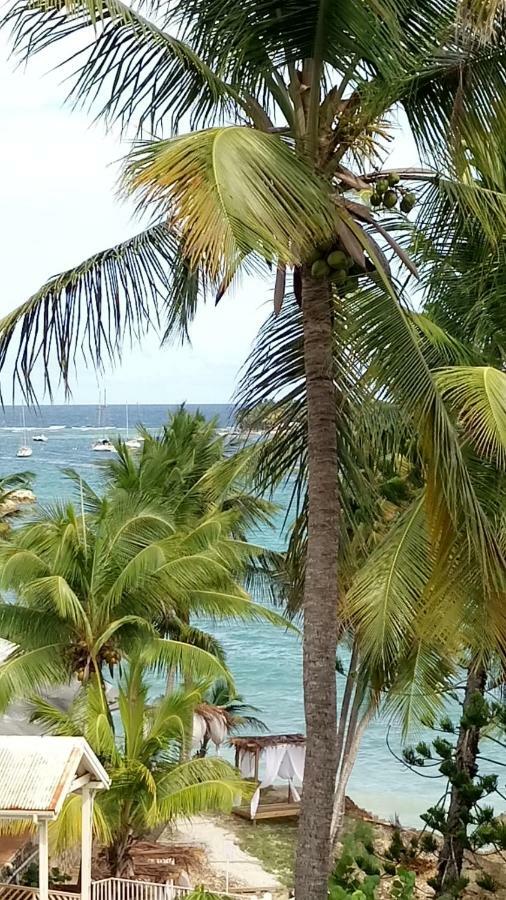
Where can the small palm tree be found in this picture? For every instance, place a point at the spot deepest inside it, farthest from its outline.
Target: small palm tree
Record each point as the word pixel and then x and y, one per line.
pixel 150 786
pixel 227 710
pixel 91 589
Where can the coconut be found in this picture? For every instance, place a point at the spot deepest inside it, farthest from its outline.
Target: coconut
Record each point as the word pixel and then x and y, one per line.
pixel 390 199
pixel 339 277
pixel 320 269
pixel 408 202
pixel 313 256
pixel 393 179
pixel 375 199
pixel 338 259
pixel 381 185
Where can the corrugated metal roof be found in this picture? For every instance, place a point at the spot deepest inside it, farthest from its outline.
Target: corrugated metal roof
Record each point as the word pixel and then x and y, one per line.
pixel 36 772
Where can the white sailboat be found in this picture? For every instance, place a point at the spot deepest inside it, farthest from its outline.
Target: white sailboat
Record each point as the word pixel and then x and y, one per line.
pixel 104 445
pixel 24 450
pixel 131 443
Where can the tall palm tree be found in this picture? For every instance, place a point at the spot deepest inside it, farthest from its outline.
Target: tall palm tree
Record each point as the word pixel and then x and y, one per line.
pixel 90 590
pixel 141 752
pixel 314 88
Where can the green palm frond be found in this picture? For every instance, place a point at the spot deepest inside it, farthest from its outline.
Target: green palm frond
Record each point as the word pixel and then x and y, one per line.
pixel 384 595
pixel 151 73
pixel 424 680
pixel 406 377
pixel 235 192
pixel 88 311
pixel 197 786
pixel 65 831
pixel 53 594
pixel 25 673
pixel 478 395
pixel 165 655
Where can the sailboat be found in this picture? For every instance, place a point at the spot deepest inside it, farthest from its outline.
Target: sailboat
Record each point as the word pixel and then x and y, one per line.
pixel 24 450
pixel 131 443
pixel 104 445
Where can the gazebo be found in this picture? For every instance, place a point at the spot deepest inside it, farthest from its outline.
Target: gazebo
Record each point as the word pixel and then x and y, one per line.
pixel 283 756
pixel 37 774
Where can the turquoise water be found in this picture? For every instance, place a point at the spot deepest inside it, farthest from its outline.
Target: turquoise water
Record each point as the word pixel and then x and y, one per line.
pixel 265 661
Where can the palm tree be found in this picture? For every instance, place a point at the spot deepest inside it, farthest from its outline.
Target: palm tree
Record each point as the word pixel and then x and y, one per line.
pixel 141 752
pixel 224 712
pixel 91 589
pixel 314 89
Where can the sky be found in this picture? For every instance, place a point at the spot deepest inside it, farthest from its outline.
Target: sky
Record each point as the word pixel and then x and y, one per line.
pixel 58 203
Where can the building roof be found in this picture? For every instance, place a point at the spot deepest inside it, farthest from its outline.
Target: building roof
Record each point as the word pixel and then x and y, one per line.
pixel 37 773
pixel 253 742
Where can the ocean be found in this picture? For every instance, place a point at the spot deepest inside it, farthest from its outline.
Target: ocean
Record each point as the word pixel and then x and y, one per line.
pixel 266 662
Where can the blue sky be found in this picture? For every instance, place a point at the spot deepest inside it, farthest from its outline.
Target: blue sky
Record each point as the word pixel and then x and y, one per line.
pixel 58 206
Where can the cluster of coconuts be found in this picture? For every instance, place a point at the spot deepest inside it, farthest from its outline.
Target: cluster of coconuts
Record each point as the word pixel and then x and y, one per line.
pixel 387 193
pixel 108 654
pixel 332 263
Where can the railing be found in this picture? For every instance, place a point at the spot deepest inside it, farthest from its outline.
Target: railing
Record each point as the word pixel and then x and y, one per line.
pixel 125 889
pixel 22 892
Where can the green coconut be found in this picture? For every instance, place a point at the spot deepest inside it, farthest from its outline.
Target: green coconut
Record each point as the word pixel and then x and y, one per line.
pixel 320 269
pixel 408 202
pixel 393 179
pixel 338 259
pixel 375 199
pixel 313 256
pixel 390 199
pixel 381 185
pixel 339 277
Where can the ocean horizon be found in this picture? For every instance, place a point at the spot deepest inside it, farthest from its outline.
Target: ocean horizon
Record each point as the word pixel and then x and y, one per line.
pixel 266 662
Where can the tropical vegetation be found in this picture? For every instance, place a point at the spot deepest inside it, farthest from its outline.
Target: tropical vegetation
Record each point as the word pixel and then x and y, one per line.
pixel 295 181
pixel 143 751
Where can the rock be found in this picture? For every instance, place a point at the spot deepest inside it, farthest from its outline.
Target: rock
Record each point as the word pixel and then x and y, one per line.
pixel 12 503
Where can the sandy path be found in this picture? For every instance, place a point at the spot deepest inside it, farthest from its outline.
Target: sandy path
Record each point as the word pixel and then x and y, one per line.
pixel 221 845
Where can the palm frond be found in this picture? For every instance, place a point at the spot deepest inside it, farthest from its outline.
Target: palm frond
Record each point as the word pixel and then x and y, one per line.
pixel 88 312
pixel 135 68
pixel 25 673
pixel 235 192
pixel 478 395
pixel 196 664
pixel 197 786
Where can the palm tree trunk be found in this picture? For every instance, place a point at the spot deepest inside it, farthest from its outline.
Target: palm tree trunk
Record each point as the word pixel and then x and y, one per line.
pixel 451 855
pixel 346 768
pixel 320 596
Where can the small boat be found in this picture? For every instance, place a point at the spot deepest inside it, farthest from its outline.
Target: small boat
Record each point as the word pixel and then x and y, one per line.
pixel 41 438
pixel 24 450
pixel 104 446
pixel 131 443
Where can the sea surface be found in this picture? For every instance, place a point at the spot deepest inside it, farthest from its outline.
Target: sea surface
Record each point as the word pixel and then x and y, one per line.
pixel 266 661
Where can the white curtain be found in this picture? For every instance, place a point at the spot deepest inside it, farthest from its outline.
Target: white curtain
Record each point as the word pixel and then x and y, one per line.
pixel 292 766
pixel 246 764
pixel 273 757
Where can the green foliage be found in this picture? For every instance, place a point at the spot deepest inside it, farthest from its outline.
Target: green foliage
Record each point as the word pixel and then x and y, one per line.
pixel 143 752
pixel 487 883
pixel 357 871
